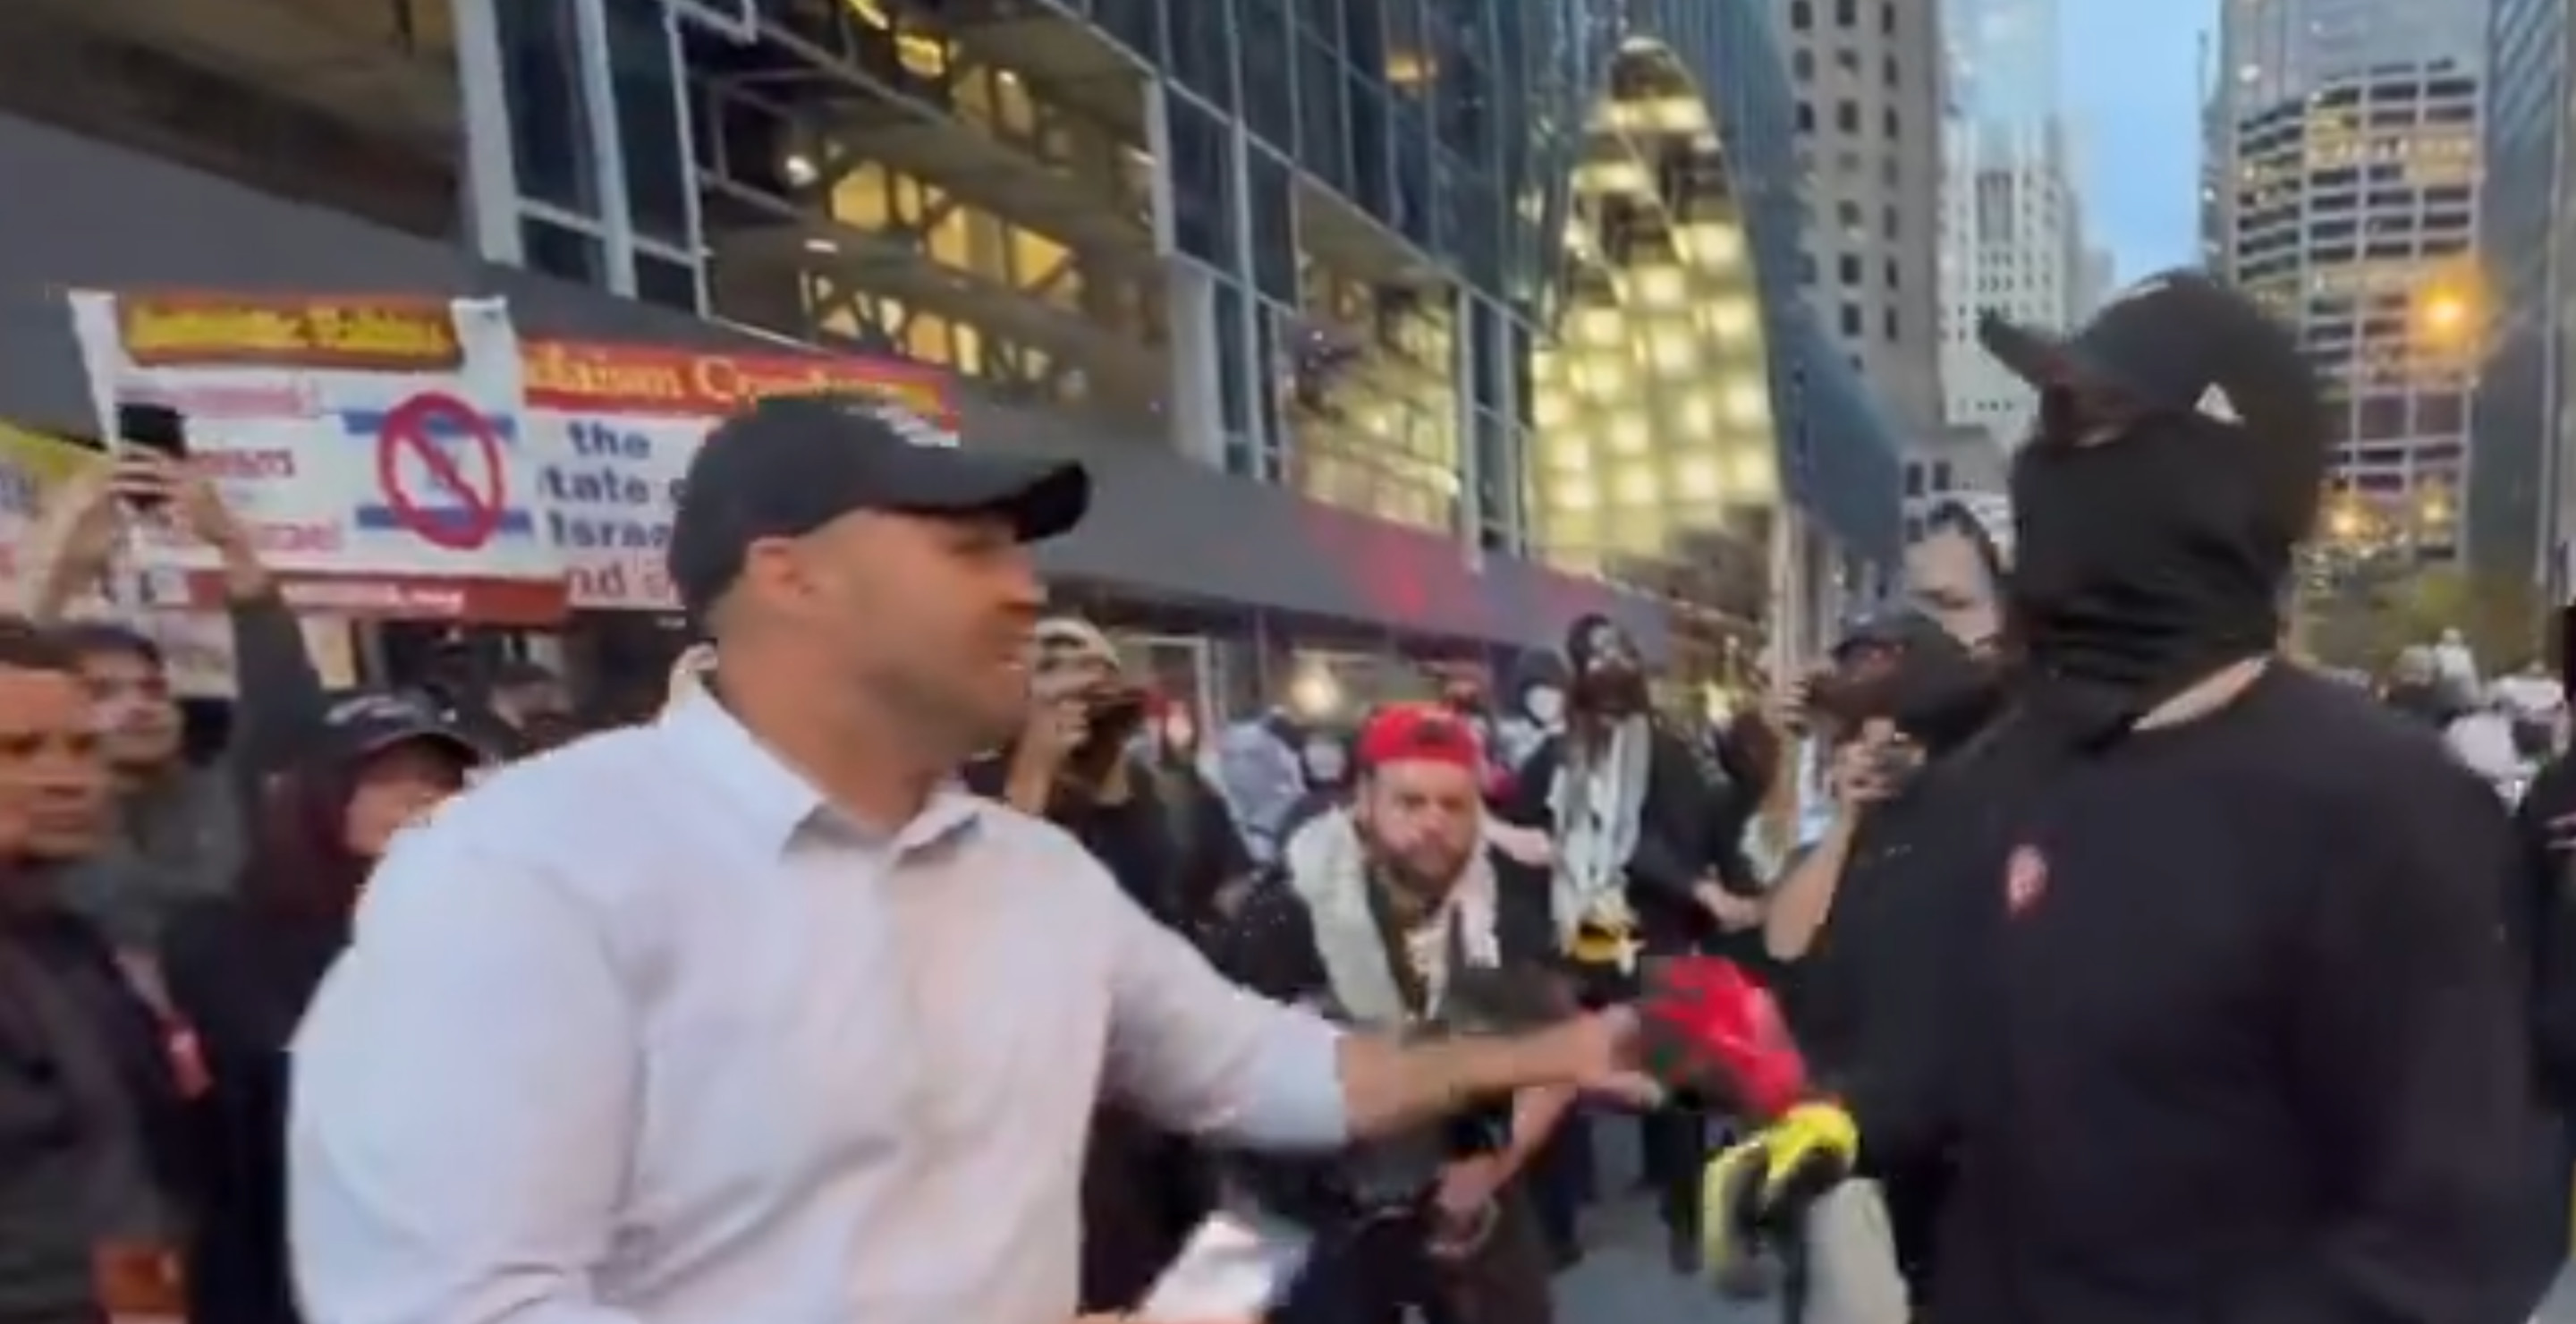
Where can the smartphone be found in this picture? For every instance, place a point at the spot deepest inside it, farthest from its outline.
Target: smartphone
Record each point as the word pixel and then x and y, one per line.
pixel 155 429
pixel 1237 1265
pixel 159 429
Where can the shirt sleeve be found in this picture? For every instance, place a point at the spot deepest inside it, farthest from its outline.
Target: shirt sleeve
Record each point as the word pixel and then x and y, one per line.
pixel 2407 1056
pixel 462 1094
pixel 1204 1056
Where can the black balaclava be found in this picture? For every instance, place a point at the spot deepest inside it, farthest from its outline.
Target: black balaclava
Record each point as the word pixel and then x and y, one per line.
pixel 2146 559
pixel 1943 693
pixel 1935 689
pixel 1608 670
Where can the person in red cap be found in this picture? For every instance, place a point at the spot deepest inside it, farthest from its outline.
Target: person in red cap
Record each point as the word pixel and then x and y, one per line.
pixel 1399 913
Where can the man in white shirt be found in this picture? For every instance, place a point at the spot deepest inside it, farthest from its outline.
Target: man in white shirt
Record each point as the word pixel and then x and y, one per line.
pixel 750 1017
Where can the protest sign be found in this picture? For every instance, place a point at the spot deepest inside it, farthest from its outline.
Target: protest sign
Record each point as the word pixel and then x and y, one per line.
pixel 196 646
pixel 373 447
pixel 616 426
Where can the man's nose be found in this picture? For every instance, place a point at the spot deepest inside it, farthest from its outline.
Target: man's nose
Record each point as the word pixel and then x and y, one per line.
pixel 1019 587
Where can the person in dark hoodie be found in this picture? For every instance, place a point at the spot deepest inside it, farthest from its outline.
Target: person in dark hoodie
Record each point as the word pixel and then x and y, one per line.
pixel 240 968
pixel 2224 1025
pixel 178 829
pixel 93 1160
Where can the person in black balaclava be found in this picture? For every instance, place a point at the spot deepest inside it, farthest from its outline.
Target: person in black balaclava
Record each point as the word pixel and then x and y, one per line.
pixel 1645 866
pixel 2223 1028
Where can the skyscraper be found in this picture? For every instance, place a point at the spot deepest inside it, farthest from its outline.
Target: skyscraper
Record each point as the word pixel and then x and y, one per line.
pixel 2348 135
pixel 1868 76
pixel 2519 520
pixel 2012 239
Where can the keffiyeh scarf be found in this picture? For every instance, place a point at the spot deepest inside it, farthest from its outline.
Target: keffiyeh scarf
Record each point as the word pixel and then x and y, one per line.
pixel 1594 805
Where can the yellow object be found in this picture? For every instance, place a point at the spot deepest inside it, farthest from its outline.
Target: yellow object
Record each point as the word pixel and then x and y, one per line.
pixel 1812 1145
pixel 1597 944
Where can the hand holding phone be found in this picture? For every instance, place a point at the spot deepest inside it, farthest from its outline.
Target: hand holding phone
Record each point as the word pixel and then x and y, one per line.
pixel 151 431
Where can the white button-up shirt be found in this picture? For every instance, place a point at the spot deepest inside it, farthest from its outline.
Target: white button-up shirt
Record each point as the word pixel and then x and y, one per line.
pixel 644 1031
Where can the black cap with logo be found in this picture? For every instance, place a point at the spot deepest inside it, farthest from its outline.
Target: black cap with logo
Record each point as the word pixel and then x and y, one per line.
pixel 792 464
pixel 360 726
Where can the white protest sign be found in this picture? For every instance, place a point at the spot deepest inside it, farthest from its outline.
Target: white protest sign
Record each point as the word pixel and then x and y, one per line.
pixel 374 447
pixel 615 427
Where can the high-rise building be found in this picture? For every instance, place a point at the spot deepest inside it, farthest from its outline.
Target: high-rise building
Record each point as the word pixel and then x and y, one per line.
pixel 1869 76
pixel 1348 301
pixel 1691 413
pixel 2348 132
pixel 2012 240
pixel 2519 517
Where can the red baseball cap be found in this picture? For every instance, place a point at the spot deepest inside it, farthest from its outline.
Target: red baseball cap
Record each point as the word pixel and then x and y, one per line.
pixel 1419 733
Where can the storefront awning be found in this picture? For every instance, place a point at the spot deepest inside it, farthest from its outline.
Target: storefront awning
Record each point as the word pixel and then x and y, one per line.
pixel 1162 525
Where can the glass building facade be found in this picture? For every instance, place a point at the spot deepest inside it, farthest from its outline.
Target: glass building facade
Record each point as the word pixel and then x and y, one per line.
pixel 1336 245
pixel 1315 240
pixel 2515 524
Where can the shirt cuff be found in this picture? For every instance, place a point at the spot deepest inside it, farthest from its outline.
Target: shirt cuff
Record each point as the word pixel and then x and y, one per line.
pixel 1296 1100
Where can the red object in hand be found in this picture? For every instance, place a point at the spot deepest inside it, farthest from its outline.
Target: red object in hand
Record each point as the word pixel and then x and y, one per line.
pixel 1709 1026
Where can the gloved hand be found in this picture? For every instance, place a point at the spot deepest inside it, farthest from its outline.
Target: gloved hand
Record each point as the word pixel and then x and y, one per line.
pixel 1710 1029
pixel 1760 1188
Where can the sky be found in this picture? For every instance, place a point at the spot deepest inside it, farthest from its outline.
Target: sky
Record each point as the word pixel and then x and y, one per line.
pixel 2130 71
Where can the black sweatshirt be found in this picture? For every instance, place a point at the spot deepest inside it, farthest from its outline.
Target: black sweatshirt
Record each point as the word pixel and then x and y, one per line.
pixel 242 977
pixel 2229 1030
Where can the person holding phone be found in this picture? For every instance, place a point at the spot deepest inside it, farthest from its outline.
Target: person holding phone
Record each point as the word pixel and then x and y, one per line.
pixel 179 828
pixel 1143 1189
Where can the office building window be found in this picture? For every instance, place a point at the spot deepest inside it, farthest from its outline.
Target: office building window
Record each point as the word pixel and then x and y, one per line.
pixel 550 132
pixel 1850 267
pixel 1851 319
pixel 564 252
pixel 1888 323
pixel 1802 15
pixel 1847 116
pixel 1203 193
pixel 1803 64
pixel 651 146
pixel 1889 125
pixel 1806 118
pixel 1846 13
pixel 1887 18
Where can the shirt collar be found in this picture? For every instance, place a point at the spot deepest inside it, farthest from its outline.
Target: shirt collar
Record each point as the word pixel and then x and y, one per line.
pixel 774 801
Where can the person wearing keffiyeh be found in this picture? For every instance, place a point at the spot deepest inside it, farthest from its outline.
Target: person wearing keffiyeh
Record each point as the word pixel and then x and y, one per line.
pixel 1647 863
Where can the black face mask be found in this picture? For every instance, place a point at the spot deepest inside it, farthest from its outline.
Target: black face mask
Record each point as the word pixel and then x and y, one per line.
pixel 2143 563
pixel 1941 695
pixel 1608 680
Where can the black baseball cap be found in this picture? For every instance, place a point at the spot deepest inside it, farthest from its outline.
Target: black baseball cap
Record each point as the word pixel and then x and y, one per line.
pixel 362 725
pixel 792 464
pixel 2179 342
pixel 1890 627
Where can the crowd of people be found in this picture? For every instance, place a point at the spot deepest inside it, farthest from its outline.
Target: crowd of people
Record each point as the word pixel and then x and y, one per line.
pixel 917 963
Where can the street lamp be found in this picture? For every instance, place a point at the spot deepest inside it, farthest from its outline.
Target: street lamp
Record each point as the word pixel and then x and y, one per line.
pixel 2445 315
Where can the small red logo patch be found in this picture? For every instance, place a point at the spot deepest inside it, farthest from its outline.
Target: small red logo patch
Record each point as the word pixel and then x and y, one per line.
pixel 2025 879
